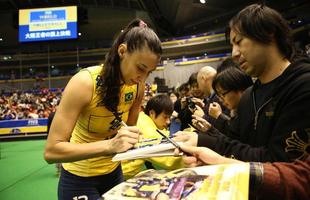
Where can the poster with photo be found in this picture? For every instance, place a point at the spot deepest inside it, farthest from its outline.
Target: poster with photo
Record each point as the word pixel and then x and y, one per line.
pixel 229 182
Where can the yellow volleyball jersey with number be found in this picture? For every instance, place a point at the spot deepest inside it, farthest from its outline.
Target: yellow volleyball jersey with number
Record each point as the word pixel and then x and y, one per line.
pixel 97 123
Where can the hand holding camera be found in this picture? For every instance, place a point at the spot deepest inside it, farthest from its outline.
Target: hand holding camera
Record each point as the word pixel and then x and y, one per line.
pixel 191 105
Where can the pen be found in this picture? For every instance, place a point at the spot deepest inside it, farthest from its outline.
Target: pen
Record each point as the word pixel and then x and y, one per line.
pixel 123 123
pixel 150 140
pixel 170 140
pixel 174 143
pixel 191 127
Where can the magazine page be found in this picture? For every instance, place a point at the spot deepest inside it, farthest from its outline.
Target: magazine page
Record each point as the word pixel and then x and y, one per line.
pixel 147 148
pixel 227 182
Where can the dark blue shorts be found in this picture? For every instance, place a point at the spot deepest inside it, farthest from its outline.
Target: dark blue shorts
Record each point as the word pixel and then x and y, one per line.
pixel 73 187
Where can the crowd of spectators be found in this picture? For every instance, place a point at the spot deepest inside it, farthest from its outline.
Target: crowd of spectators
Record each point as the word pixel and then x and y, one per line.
pixel 28 104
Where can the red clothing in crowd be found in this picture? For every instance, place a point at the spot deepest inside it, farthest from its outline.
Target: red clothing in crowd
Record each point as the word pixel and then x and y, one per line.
pixel 286 180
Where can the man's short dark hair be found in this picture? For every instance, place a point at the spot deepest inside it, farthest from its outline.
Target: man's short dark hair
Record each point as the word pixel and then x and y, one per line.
pixel 160 103
pixel 192 81
pixel 264 25
pixel 183 87
pixel 228 62
pixel 232 79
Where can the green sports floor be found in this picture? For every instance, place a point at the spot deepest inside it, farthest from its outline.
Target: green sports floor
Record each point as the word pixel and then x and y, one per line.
pixel 24 175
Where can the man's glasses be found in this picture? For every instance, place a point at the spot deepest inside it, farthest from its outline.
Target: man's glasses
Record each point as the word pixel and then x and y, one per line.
pixel 222 95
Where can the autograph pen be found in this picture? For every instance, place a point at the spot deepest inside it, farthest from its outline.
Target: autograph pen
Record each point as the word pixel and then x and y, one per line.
pixel 170 140
pixel 123 123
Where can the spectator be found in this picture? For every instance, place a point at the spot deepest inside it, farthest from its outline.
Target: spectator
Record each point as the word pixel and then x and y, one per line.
pixel 273 115
pixel 229 85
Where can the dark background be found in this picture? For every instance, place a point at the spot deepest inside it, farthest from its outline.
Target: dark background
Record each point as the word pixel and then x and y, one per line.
pixel 100 20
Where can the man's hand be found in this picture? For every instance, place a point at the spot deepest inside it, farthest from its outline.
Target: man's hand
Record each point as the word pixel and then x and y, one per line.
pixel 198 111
pixel 200 123
pixel 188 138
pixel 203 155
pixel 198 102
pixel 215 110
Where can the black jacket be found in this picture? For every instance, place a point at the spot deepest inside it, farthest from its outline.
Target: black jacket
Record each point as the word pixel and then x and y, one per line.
pixel 277 131
pixel 222 123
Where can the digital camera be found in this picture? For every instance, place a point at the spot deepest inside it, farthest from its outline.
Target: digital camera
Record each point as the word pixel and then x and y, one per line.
pixel 190 103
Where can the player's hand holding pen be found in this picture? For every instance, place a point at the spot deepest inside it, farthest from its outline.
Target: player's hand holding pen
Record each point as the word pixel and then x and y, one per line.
pixel 126 138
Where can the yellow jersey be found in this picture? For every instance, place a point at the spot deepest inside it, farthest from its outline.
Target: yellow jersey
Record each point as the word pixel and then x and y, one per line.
pixel 97 123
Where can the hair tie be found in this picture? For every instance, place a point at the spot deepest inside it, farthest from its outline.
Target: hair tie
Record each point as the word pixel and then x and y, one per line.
pixel 142 24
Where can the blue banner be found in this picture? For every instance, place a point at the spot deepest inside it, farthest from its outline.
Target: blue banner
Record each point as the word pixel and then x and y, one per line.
pixel 23 123
pixel 41 24
pixel 69 33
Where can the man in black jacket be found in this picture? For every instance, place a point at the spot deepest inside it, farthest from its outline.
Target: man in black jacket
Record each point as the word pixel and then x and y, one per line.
pixel 273 122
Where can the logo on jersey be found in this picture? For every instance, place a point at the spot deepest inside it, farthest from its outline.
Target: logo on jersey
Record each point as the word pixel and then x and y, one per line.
pixel 128 97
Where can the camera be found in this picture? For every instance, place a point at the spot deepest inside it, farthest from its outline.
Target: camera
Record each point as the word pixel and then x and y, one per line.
pixel 190 103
